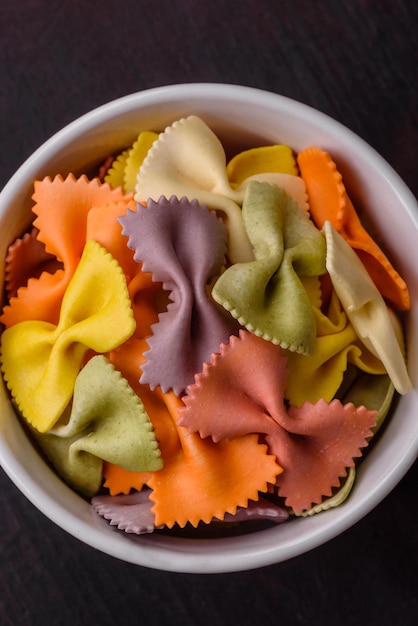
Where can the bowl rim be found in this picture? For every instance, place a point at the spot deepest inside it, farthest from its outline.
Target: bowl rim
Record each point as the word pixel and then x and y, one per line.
pixel 192 555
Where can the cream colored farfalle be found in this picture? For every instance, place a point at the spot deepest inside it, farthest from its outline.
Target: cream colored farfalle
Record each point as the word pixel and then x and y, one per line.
pixel 377 328
pixel 293 185
pixel 188 160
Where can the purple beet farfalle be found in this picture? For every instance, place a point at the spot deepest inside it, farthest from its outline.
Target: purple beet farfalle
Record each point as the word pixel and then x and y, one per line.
pixel 183 245
pixel 131 513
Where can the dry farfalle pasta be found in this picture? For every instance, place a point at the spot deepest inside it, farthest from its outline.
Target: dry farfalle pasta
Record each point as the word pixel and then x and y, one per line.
pixel 186 340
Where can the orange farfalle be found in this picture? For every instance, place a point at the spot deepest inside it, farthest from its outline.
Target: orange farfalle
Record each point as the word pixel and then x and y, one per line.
pixel 148 298
pixel 61 207
pixel 329 200
pixel 121 481
pixel 36 261
pixel 200 479
pixel 103 226
pixel 207 479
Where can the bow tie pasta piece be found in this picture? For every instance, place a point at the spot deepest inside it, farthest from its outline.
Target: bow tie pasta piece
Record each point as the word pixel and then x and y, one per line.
pixel 266 295
pixel 107 422
pixel 125 168
pixel 320 374
pixel 82 472
pixel 188 160
pixel 376 327
pixel 273 159
pixel 40 361
pixel 329 201
pixel 61 207
pixel 187 152
pixel 26 258
pixel 131 513
pixel 115 175
pixel 110 420
pixel 184 249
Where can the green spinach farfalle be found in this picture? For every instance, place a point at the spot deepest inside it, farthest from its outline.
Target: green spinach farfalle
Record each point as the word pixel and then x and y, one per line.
pixel 107 422
pixel 266 295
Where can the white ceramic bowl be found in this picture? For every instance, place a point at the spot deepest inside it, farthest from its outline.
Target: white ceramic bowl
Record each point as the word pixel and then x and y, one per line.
pixel 241 117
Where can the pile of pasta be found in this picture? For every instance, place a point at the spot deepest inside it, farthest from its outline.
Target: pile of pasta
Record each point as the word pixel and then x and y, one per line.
pixel 193 339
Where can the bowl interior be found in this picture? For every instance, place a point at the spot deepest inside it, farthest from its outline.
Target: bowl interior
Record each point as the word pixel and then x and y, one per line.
pixel 241 117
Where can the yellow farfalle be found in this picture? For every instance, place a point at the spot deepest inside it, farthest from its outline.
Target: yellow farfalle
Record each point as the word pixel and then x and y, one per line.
pixel 124 170
pixel 115 176
pixel 136 157
pixel 40 361
pixel 276 158
pixel 320 374
pixel 274 164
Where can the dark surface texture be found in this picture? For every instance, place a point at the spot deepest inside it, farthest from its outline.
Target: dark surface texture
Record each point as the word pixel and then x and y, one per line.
pixel 356 61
